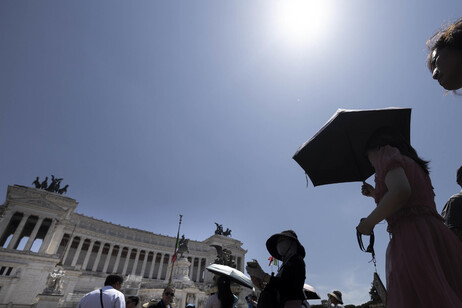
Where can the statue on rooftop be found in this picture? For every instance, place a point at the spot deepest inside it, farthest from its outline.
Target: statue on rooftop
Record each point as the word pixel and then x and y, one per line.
pixel 53 187
pixel 219 230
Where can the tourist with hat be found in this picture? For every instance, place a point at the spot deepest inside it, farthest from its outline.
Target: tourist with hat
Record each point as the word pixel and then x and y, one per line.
pixel 335 299
pixel 285 289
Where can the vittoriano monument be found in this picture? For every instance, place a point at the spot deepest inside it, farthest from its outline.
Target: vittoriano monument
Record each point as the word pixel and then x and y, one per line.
pixel 55 185
pixel 51 256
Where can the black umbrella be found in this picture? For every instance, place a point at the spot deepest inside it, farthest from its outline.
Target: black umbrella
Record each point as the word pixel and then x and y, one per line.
pixel 335 154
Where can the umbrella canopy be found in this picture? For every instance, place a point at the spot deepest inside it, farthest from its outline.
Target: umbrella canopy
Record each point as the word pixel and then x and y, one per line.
pixel 335 154
pixel 310 293
pixel 234 274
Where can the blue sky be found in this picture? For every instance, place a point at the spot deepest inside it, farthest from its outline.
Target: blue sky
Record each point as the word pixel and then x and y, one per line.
pixel 151 109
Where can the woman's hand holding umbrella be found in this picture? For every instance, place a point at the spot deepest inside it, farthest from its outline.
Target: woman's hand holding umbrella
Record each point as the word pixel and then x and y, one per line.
pixel 368 190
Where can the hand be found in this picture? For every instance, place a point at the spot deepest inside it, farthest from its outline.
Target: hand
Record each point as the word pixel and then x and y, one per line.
pixel 368 190
pixel 365 227
pixel 257 282
pixel 256 271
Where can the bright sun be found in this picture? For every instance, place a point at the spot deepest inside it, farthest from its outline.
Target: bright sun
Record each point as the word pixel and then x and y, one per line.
pixel 300 22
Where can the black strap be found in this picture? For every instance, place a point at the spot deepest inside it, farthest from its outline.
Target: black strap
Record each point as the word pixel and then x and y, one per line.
pixel 370 247
pixel 101 297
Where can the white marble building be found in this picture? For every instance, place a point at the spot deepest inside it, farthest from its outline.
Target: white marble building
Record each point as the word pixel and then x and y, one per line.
pixel 40 233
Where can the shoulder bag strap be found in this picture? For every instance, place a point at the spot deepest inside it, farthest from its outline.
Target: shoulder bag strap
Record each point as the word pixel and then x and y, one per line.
pixel 101 297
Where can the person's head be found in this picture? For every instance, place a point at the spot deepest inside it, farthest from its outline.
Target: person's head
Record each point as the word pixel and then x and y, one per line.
pixel 114 281
pixel 335 297
pixel 389 136
pixel 445 56
pixel 168 294
pixel 284 244
pixel 132 301
pixel 191 305
pixel 225 295
pixel 459 176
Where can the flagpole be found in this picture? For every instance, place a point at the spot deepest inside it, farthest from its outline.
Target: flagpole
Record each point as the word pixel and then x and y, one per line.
pixel 175 251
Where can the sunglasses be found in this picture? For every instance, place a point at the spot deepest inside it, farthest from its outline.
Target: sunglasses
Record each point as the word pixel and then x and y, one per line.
pixel 169 294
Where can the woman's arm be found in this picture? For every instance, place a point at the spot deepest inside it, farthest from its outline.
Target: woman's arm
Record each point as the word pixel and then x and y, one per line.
pixel 399 191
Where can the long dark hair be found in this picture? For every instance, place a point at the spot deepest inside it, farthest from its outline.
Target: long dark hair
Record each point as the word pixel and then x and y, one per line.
pixel 225 295
pixel 389 136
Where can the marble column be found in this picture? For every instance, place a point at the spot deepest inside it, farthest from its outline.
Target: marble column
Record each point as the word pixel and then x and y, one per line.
pixel 18 232
pixel 108 258
pixel 135 265
pixel 48 246
pixel 68 248
pixel 98 257
pixel 32 236
pixel 161 266
pixel 77 252
pixel 5 222
pixel 116 265
pixel 124 271
pixel 191 267
pixel 196 272
pixel 87 256
pixel 153 264
pixel 143 267
pixel 169 266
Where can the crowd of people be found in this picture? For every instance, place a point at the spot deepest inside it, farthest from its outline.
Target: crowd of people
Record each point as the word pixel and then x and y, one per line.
pixel 423 258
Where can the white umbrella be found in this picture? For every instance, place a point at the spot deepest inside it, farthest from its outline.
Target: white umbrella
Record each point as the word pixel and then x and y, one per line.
pixel 310 292
pixel 234 274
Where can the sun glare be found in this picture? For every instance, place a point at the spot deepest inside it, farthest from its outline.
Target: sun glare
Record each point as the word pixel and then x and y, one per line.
pixel 300 22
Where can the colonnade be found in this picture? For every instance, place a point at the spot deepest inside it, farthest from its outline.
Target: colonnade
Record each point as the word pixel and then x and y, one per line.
pixel 25 229
pixel 89 254
pixel 22 230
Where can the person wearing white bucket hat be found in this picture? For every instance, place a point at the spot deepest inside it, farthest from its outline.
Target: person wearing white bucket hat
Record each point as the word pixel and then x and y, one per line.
pixel 335 298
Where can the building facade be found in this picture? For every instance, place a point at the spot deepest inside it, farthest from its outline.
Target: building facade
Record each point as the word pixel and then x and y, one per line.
pixel 50 254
